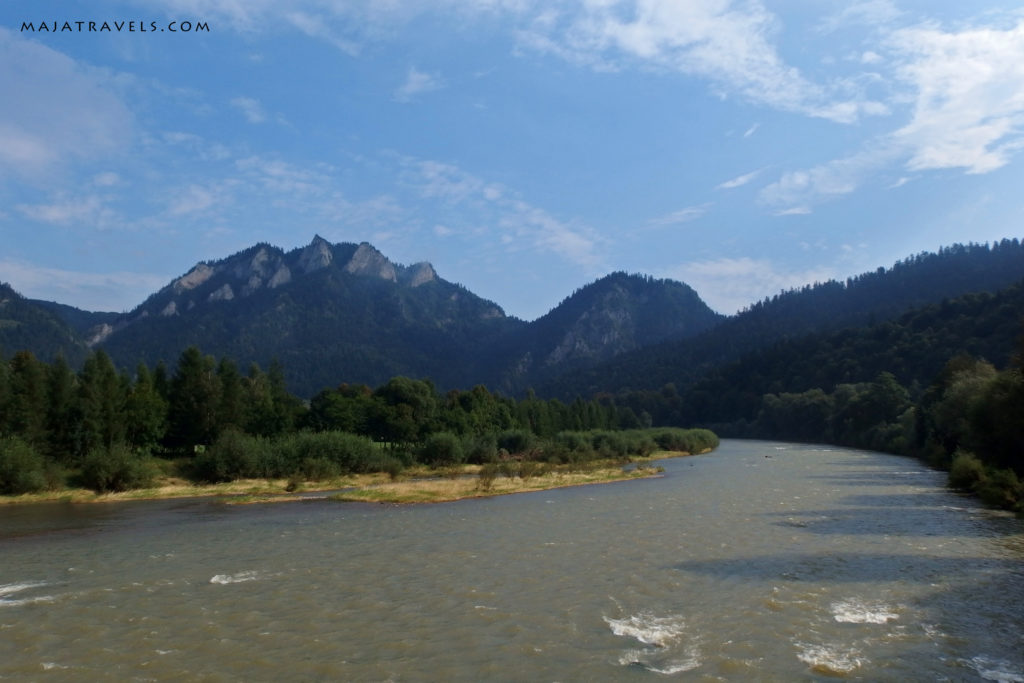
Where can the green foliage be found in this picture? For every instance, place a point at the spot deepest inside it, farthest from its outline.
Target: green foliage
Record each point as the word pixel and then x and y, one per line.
pixel 193 402
pixel 442 448
pixel 235 455
pixel 517 441
pixel 966 471
pixel 22 468
pixel 480 448
pixel 116 468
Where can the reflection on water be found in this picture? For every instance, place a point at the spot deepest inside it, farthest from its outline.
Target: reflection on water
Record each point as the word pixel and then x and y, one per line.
pixel 734 566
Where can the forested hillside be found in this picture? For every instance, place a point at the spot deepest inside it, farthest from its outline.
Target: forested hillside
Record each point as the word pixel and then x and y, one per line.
pixel 613 315
pixel 872 297
pixel 26 325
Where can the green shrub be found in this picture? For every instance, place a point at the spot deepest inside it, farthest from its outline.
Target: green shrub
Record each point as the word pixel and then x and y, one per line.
pixel 440 449
pixel 1001 488
pixel 348 452
pixel 22 468
pixel 966 472
pixel 517 440
pixel 234 455
pixel 116 469
pixel 480 448
pixel 319 469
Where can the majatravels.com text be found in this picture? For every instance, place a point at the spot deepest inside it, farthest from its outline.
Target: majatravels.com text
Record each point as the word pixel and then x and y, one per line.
pixel 115 27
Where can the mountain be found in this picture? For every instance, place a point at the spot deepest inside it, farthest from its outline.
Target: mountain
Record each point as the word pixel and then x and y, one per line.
pixel 333 313
pixel 613 315
pixel 873 297
pixel 328 313
pixel 27 325
pixel 913 347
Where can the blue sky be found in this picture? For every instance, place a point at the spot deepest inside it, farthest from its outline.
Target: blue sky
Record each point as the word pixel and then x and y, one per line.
pixel 523 147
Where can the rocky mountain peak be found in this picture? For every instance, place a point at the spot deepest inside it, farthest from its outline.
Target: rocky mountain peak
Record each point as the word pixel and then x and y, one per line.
pixel 316 256
pixel 368 261
pixel 420 274
pixel 193 278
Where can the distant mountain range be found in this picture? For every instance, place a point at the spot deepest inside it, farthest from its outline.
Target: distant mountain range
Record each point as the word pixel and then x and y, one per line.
pixel 334 313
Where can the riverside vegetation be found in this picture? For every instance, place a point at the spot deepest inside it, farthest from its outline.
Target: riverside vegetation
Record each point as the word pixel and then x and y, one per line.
pixel 208 424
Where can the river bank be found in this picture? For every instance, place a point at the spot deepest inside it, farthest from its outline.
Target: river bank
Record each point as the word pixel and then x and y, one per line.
pixel 415 485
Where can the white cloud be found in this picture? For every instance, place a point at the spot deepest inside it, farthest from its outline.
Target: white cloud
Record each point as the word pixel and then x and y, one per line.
pixel 738 181
pixel 727 43
pixel 750 131
pixel 250 108
pixel 85 210
pixel 794 211
pixel 730 284
pixel 870 13
pixel 320 26
pixel 966 91
pixel 54 110
pixel 90 291
pixel 193 199
pixel 968 96
pixel 522 225
pixel 416 83
pixel 106 179
pixel 690 213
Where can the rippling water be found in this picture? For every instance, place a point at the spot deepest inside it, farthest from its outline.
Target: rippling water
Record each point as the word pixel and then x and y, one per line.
pixel 761 561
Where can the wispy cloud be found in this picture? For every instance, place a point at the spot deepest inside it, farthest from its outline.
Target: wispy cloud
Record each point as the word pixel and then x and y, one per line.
pixel 521 224
pixel 738 181
pixel 870 13
pixel 416 83
pixel 794 211
pixel 65 211
pixel 250 108
pixel 690 213
pixel 968 96
pixel 727 43
pixel 966 91
pixel 55 110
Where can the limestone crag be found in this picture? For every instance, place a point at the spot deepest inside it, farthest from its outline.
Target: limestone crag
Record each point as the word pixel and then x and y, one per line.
pixel 316 256
pixel 193 278
pixel 370 262
pixel 419 274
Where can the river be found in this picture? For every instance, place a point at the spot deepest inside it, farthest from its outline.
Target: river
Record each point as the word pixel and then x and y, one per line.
pixel 760 561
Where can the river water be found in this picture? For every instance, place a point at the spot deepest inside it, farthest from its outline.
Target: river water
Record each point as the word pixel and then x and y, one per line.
pixel 760 561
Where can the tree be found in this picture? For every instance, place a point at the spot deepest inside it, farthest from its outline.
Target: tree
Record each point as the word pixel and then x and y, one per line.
pixel 194 397
pixel 101 404
pixel 231 406
pixel 26 411
pixel 405 411
pixel 60 410
pixel 145 412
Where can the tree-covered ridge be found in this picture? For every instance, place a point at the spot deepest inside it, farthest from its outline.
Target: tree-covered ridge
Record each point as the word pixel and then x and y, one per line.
pixel 872 297
pixel 615 314
pixel 101 425
pixel 913 348
pixel 26 325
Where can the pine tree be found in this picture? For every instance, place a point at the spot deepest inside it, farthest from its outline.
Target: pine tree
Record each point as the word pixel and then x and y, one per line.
pixel 27 407
pixel 60 410
pixel 146 412
pixel 194 397
pixel 101 404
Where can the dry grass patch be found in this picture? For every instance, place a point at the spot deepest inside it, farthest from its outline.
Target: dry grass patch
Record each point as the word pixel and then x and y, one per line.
pixel 444 490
